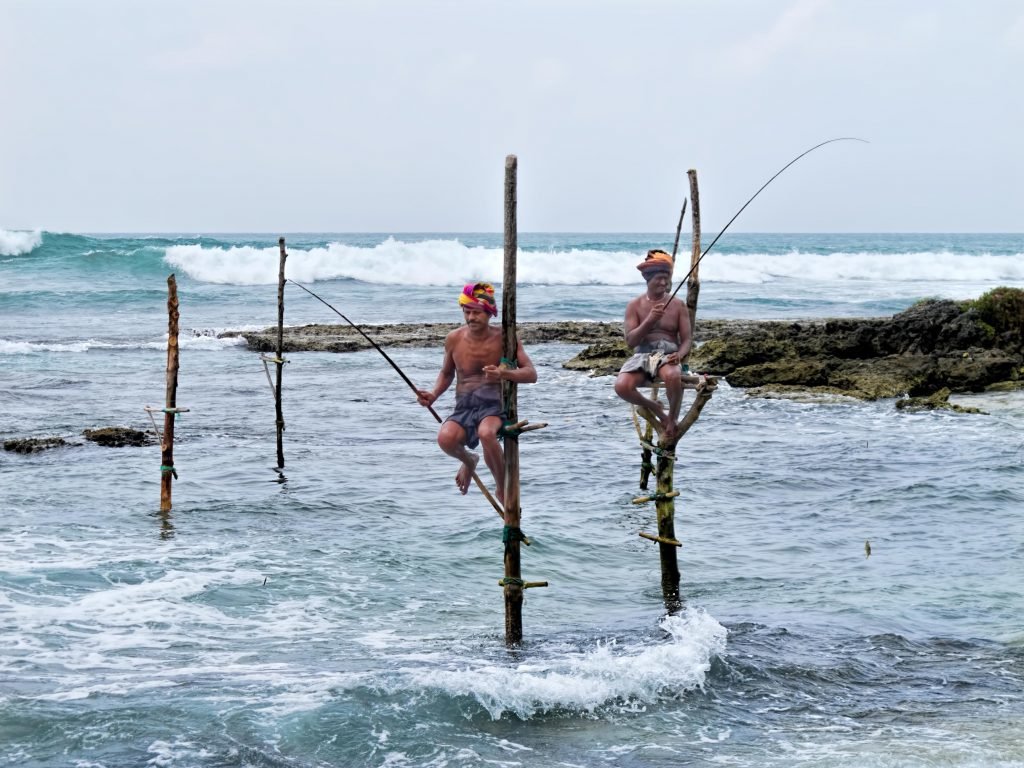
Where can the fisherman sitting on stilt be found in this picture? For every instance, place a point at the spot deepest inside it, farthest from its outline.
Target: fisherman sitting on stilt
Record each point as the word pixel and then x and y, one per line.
pixel 473 359
pixel 657 326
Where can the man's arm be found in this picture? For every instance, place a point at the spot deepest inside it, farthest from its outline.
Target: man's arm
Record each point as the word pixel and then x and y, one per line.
pixel 445 377
pixel 636 330
pixel 683 333
pixel 525 373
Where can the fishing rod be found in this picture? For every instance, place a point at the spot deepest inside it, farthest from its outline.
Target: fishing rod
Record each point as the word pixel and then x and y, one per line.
pixel 373 343
pixel 407 380
pixel 778 173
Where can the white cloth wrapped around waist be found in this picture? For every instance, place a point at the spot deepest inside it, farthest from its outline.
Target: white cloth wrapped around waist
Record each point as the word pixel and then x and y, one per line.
pixel 649 357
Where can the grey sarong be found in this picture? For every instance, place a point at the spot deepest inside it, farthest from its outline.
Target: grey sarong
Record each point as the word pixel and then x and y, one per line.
pixel 473 407
pixel 649 357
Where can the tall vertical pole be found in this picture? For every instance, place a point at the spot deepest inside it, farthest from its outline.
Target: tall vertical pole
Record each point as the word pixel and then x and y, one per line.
pixel 667 530
pixel 513 579
pixel 280 355
pixel 171 400
pixel 693 284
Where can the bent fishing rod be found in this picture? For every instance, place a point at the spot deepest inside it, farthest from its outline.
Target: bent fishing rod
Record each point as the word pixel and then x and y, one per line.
pixel 407 380
pixel 777 174
pixel 373 343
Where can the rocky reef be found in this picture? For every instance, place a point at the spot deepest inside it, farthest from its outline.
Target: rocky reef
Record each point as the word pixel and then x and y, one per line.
pixel 934 345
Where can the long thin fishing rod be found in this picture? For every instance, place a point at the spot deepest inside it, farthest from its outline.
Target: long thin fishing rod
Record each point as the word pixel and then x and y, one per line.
pixel 705 253
pixel 372 342
pixel 476 478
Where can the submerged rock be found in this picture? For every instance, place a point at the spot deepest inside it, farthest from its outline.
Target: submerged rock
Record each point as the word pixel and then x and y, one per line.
pixel 938 401
pixel 117 437
pixel 34 444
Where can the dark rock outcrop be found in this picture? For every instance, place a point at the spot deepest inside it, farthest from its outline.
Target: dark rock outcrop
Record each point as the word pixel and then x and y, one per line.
pixel 118 437
pixel 34 444
pixel 933 345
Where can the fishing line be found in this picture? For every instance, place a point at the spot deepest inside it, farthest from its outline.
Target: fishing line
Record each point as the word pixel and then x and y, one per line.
pixel 779 172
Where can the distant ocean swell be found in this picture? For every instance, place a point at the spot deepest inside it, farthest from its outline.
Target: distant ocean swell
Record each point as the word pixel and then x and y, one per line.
pixel 446 260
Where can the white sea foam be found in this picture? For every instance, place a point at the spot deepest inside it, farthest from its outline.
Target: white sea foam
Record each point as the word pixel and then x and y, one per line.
pixel 610 674
pixel 199 341
pixel 450 262
pixel 17 242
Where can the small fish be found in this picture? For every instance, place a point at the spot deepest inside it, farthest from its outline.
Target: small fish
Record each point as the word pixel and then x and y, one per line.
pixel 867 548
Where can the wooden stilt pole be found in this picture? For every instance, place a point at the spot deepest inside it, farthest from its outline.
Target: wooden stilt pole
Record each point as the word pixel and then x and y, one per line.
pixel 513 582
pixel 665 470
pixel 280 355
pixel 693 283
pixel 667 531
pixel 171 400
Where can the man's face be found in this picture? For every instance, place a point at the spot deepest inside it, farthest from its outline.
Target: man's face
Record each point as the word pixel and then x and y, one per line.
pixel 659 284
pixel 475 318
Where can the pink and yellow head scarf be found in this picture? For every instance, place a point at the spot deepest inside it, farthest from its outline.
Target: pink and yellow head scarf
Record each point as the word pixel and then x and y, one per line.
pixel 479 296
pixel 657 261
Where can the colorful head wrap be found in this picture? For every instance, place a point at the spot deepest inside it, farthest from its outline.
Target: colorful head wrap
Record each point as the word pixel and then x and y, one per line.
pixel 479 296
pixel 657 261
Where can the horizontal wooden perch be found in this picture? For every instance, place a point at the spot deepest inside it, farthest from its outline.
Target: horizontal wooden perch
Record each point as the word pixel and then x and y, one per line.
pixel 656 497
pixel 692 381
pixel 149 409
pixel 519 427
pixel 525 584
pixel 659 539
pixel 277 360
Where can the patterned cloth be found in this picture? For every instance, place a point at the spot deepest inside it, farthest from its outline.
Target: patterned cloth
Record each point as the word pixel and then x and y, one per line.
pixel 657 261
pixel 479 296
pixel 473 407
pixel 649 358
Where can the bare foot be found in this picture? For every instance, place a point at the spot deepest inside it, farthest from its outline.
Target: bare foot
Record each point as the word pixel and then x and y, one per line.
pixel 465 474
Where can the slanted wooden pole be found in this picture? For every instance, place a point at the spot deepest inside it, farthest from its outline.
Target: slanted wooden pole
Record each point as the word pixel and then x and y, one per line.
pixel 513 578
pixel 171 399
pixel 280 355
pixel 693 283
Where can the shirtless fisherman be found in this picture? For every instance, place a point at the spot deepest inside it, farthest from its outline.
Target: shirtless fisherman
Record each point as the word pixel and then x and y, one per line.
pixel 658 329
pixel 472 355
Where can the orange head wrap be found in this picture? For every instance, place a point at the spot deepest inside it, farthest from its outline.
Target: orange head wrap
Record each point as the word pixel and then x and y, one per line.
pixel 657 261
pixel 479 296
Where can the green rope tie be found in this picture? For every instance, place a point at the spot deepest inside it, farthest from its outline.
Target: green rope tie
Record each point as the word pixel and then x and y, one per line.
pixel 508 429
pixel 172 470
pixel 659 496
pixel 511 533
pixel 512 581
pixel 658 451
pixel 509 363
pixel 686 368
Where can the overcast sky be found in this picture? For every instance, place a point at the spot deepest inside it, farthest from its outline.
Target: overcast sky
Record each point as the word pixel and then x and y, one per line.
pixel 396 115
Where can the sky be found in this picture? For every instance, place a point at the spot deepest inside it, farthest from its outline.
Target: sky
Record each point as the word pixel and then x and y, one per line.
pixel 397 115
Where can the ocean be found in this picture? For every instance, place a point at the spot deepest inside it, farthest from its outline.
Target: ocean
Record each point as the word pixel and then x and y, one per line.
pixel 345 611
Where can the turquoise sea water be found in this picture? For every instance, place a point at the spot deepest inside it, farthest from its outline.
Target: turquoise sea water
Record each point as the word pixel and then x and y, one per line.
pixel 345 612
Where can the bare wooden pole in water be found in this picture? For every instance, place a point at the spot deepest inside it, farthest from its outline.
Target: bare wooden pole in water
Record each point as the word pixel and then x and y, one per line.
pixel 280 355
pixel 693 283
pixel 171 400
pixel 513 583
